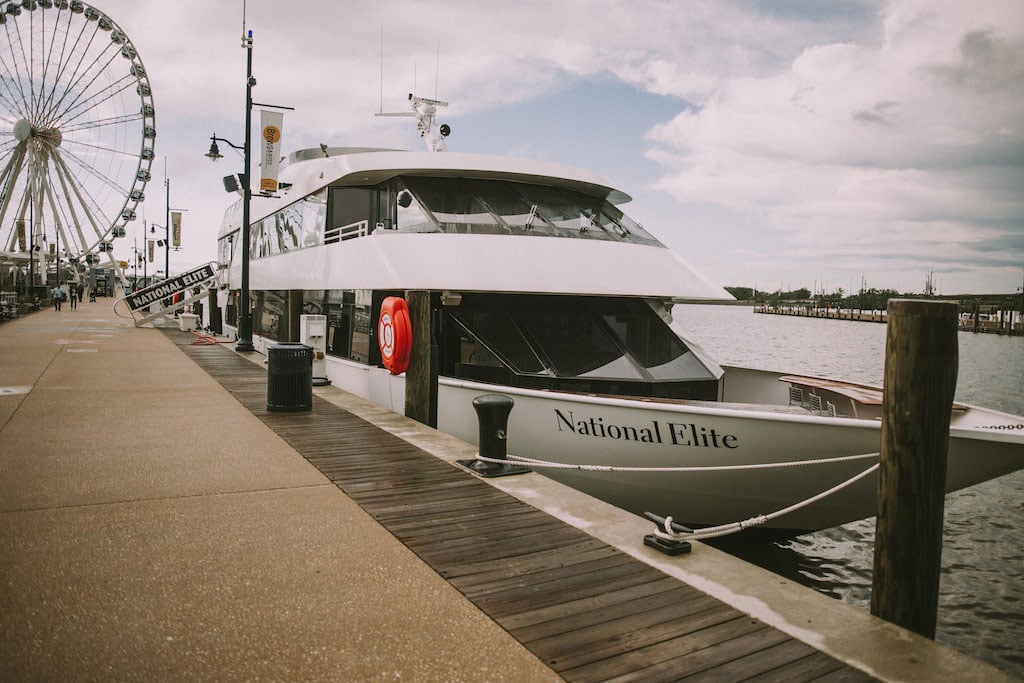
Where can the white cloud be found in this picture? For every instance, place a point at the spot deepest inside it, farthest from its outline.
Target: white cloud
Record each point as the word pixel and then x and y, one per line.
pixel 902 147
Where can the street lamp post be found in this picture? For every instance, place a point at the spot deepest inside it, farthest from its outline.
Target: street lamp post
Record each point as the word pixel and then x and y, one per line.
pixel 244 343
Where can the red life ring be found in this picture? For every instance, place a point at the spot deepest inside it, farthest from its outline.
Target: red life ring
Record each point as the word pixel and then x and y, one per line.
pixel 394 334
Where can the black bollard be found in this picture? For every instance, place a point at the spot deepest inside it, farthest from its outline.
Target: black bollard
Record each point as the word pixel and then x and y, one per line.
pixel 492 411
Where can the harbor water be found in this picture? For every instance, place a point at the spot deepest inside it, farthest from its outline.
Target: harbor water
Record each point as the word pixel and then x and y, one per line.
pixel 981 602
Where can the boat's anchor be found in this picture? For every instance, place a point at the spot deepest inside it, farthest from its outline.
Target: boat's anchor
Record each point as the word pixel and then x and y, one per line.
pixel 667 545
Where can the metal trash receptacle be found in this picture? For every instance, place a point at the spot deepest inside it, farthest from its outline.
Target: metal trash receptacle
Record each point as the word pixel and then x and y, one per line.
pixel 289 377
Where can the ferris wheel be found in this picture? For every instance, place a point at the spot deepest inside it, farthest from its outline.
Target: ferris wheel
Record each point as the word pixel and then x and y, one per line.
pixel 77 127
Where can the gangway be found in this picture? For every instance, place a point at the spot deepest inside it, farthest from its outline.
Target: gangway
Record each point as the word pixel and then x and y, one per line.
pixel 148 304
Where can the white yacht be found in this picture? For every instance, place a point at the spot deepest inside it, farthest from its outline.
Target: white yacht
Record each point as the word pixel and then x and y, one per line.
pixel 543 290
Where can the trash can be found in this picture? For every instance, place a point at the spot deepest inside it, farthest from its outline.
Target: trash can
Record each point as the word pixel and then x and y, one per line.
pixel 289 377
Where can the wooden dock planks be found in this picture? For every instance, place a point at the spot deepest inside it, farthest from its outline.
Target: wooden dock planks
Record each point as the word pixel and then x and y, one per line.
pixel 589 611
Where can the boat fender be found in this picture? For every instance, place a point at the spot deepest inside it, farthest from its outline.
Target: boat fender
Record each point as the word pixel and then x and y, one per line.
pixel 394 334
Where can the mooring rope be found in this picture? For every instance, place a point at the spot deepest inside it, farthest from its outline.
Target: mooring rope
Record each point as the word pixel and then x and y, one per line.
pixel 666 531
pixel 542 464
pixel 735 527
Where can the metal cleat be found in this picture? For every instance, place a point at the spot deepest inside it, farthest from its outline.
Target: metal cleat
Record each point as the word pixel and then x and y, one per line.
pixel 666 545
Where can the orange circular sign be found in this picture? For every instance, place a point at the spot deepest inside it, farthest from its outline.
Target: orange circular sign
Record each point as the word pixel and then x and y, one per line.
pixel 272 134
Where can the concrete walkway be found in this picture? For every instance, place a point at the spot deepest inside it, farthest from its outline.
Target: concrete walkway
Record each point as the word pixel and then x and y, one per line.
pixel 153 529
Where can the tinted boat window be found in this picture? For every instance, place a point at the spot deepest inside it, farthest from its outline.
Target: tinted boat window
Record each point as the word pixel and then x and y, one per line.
pixel 652 343
pixel 460 205
pixel 577 344
pixel 511 209
pixel 453 207
pixel 574 337
pixel 347 208
pixel 498 332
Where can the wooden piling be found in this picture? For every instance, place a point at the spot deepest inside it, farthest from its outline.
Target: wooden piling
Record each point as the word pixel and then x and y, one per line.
pixel 421 377
pixel 920 380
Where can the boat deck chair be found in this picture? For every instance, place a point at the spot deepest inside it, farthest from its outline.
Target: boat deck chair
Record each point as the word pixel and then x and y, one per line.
pixel 796 397
pixel 816 406
pixel 830 409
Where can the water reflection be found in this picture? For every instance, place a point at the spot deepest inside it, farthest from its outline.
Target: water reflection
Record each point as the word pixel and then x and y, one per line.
pixel 836 562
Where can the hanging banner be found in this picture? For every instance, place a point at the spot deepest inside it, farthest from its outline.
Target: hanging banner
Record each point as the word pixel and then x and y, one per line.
pixel 271 135
pixel 151 248
pixel 20 227
pixel 175 229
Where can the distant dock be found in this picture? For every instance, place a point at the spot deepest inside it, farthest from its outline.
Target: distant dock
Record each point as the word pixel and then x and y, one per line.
pixel 1006 322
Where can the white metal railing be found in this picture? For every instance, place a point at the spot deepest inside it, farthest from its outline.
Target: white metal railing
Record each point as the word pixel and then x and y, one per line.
pixel 347 232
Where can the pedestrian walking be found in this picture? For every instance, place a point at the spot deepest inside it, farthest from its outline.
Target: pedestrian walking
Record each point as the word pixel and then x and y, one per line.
pixel 81 291
pixel 58 296
pixel 73 296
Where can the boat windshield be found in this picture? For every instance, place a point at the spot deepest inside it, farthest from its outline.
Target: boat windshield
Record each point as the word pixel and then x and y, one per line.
pixel 568 338
pixel 461 205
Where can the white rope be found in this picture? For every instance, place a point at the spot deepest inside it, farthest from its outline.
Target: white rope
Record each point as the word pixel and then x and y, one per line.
pixel 714 531
pixel 532 462
pixel 734 527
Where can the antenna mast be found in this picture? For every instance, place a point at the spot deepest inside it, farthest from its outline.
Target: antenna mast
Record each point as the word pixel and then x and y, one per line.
pixel 424 110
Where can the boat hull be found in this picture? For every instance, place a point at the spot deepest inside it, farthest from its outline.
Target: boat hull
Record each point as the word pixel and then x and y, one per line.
pixel 620 432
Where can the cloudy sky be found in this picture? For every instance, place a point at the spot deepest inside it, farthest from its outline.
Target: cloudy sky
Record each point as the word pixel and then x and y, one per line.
pixel 771 143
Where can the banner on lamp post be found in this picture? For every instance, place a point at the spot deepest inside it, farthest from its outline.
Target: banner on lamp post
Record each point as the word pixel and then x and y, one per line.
pixel 151 248
pixel 20 226
pixel 175 229
pixel 271 123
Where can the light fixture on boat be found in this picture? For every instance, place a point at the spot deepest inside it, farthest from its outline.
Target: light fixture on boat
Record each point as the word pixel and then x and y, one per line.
pixel 451 298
